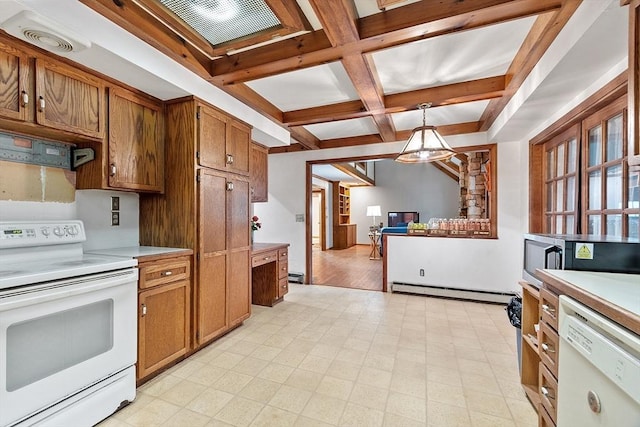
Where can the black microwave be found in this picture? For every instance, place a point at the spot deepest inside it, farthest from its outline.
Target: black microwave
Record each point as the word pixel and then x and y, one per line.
pixel 579 252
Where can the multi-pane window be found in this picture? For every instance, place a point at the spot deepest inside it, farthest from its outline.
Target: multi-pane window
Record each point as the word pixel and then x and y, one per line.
pixel 561 183
pixel 588 188
pixel 605 172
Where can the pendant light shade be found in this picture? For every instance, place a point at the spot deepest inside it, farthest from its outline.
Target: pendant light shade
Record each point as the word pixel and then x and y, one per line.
pixel 425 144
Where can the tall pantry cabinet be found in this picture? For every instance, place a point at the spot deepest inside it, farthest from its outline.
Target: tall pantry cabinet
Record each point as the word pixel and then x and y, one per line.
pixel 206 208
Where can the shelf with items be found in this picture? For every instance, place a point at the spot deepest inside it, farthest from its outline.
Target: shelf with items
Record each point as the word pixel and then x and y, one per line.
pixel 530 353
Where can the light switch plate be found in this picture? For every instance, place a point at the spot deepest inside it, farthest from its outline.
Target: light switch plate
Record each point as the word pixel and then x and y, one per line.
pixel 115 203
pixel 299 217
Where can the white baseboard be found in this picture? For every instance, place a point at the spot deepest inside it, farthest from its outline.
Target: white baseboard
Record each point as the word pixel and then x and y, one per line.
pixel 439 291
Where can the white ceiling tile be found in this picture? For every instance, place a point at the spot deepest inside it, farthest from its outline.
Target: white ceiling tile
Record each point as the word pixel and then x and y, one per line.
pixel 309 87
pixel 343 128
pixel 468 55
pixel 439 116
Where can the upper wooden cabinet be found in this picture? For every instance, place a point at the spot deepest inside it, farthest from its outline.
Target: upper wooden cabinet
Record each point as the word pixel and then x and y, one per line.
pixel 69 100
pixel 634 84
pixel 259 173
pixel 136 143
pixel 14 83
pixel 223 142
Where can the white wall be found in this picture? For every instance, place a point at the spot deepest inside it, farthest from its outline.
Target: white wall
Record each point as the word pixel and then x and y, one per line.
pixel 484 264
pixel 404 187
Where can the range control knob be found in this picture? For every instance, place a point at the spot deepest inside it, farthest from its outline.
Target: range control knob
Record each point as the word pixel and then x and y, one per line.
pixel 58 231
pixel 45 231
pixel 72 230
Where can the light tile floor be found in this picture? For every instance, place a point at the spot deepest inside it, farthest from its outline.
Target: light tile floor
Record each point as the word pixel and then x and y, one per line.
pixel 342 357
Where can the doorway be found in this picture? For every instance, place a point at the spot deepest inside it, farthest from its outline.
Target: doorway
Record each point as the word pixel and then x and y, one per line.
pixel 319 219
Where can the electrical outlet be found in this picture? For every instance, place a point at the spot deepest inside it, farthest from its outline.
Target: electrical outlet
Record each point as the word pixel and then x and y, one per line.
pixel 115 203
pixel 422 272
pixel 115 218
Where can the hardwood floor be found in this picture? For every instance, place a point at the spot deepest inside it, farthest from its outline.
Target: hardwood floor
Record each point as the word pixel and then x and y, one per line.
pixel 347 268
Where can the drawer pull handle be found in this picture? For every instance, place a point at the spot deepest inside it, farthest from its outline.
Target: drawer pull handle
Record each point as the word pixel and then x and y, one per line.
pixel 266 258
pixel 546 393
pixel 546 308
pixel 25 99
pixel 546 348
pixel 167 273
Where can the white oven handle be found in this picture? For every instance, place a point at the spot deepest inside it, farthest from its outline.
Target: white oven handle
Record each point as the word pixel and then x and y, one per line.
pixel 36 294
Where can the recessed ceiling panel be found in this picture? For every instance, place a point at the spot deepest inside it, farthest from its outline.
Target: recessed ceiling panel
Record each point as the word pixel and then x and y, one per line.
pixel 343 128
pixel 221 21
pixel 439 116
pixel 309 87
pixel 451 58
pixel 331 173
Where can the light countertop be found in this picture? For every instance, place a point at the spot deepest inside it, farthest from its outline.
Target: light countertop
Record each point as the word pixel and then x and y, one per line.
pixel 142 251
pixel 614 295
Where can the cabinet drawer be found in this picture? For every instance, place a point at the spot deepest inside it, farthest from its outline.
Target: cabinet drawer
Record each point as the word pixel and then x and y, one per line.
pixel 283 270
pixel 549 347
pixel 264 258
pixel 544 419
pixel 165 271
pixel 283 254
pixel 549 308
pixel 283 287
pixel 548 392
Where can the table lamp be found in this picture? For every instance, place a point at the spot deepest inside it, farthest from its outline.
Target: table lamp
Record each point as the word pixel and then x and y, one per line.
pixel 374 211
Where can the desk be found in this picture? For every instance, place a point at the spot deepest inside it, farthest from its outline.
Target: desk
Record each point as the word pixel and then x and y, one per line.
pixel 269 273
pixel 374 237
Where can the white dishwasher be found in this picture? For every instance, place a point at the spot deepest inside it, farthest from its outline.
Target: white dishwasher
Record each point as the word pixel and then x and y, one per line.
pixel 598 370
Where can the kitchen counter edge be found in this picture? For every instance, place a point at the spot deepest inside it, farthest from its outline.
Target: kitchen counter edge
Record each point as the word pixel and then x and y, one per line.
pixel 144 253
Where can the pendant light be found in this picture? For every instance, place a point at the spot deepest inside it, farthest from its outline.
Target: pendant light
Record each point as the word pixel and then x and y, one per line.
pixel 425 143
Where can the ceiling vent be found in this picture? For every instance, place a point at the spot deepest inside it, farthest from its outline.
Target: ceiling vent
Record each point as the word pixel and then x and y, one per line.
pixel 44 33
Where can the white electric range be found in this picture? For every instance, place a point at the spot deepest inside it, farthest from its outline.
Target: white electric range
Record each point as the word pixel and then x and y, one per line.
pixel 68 327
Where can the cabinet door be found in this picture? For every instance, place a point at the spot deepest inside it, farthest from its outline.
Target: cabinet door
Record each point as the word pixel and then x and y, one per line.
pixel 69 99
pixel 136 149
pixel 212 136
pixel 238 143
pixel 14 78
pixel 259 171
pixel 211 293
pixel 163 326
pixel 238 249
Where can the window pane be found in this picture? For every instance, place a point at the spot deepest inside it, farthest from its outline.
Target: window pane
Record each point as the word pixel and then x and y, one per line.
pixel 559 196
pixel 548 224
pixel 560 162
pixel 634 225
pixel 571 165
pixel 571 193
pixel 595 191
pixel 551 163
pixel 614 138
pixel 634 190
pixel 594 224
pixel 559 228
pixel 614 187
pixel 571 226
pixel 595 146
pixel 614 225
pixel 549 206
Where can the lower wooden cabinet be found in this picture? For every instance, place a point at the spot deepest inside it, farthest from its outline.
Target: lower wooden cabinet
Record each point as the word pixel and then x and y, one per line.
pixel 269 273
pixel 163 314
pixel 344 236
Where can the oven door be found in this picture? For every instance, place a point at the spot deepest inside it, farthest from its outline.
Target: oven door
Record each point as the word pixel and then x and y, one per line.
pixel 59 338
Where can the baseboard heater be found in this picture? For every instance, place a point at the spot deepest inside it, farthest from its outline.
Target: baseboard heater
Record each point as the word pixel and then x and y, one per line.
pixel 440 291
pixel 296 277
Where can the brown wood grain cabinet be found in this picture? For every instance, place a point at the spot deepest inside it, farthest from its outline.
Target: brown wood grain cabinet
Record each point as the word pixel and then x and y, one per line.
pixel 344 233
pixel 269 273
pixel 204 208
pixel 634 85
pixel 163 314
pixel 14 83
pixel 132 157
pixel 259 171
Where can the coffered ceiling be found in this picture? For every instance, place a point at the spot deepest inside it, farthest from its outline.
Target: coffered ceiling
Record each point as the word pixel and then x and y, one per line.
pixel 350 72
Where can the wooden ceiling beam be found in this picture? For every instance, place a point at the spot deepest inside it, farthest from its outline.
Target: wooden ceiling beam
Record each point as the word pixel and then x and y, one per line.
pixel 543 32
pixel 304 138
pixel 455 93
pixel 339 20
pixel 446 171
pixel 293 148
pixel 136 20
pixel 315 48
pixel 350 141
pixel 446 130
pixel 289 14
